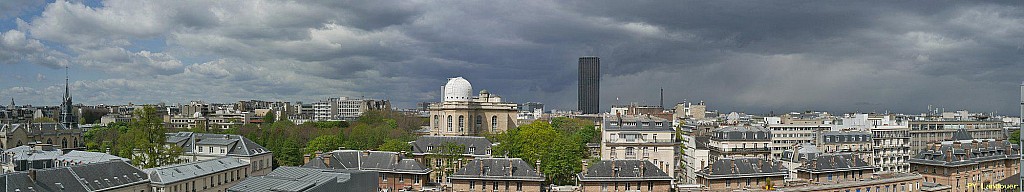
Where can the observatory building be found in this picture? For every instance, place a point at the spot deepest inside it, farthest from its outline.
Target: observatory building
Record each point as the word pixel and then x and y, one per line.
pixel 460 113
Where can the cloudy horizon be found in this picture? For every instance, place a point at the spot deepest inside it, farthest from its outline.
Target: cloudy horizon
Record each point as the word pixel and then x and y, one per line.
pixel 837 56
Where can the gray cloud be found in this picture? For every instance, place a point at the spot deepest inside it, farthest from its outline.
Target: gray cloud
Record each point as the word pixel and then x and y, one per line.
pixel 737 55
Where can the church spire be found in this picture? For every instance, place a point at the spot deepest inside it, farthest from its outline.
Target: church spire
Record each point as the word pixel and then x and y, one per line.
pixel 67 116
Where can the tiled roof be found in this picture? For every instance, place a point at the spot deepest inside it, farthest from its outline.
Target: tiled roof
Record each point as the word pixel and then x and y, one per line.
pixel 745 133
pixel 381 161
pixel 179 172
pixel 89 177
pixel 84 157
pixel 299 179
pixel 846 137
pixel 636 123
pixel 966 152
pixel 623 170
pixel 498 169
pixel 826 163
pixel 238 145
pixel 424 144
pixel 741 168
pixel 802 152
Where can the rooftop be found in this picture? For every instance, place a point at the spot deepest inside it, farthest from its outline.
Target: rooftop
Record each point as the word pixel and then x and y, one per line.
pixel 623 170
pixel 180 172
pixel 498 169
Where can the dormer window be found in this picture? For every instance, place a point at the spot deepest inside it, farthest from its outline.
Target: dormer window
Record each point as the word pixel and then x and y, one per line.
pixel 472 150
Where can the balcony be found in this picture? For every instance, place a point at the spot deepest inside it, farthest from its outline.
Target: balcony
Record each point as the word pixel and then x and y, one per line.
pixel 639 140
pixel 741 150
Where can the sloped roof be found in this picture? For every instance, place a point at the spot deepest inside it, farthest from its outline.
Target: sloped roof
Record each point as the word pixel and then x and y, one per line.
pixel 623 170
pixel 381 161
pixel 498 169
pixel 961 135
pixel 423 144
pixel 296 179
pixel 174 173
pixel 966 152
pixel 802 152
pixel 825 163
pixel 846 137
pixel 89 177
pixel 636 123
pixel 744 133
pixel 83 157
pixel 742 168
pixel 237 144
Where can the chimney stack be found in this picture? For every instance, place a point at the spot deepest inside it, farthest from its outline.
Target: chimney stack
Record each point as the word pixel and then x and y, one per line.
pixel 538 166
pixel 584 161
pixel 327 159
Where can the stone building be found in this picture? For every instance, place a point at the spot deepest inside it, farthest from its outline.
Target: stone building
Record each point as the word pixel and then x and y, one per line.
pixel 64 134
pixel 736 142
pixel 460 113
pixel 207 175
pixel 923 132
pixel 891 148
pixel 206 146
pixel 964 163
pixel 878 182
pixel 498 174
pixel 834 168
pixel 640 137
pixel 300 179
pixel 395 171
pixel 623 175
pixel 431 151
pixel 746 173
pixel 857 143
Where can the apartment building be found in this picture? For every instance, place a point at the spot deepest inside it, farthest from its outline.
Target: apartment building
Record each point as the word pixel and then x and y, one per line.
pixel 623 175
pixel 640 137
pixel 737 142
pixel 394 170
pixel 962 162
pixel 742 173
pixel 498 174
pixel 205 146
pixel 213 175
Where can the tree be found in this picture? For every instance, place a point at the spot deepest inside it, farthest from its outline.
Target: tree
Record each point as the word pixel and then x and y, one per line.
pixel 43 120
pixel 323 143
pixel 395 145
pixel 449 154
pixel 144 141
pixel 269 118
pixel 560 145
pixel 1015 137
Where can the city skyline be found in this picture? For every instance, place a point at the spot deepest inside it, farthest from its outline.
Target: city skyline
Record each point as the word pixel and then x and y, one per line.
pixel 843 57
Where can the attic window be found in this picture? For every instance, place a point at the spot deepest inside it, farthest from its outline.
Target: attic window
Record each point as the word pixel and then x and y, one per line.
pixel 472 149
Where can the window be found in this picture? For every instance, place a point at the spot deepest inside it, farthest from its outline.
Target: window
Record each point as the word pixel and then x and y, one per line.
pixel 471 183
pixel 519 186
pixel 449 123
pixel 462 123
pixel 384 177
pixel 479 123
pixel 494 124
pixel 200 149
pixel 211 149
pixel 629 151
pixel 472 149
pixel 436 121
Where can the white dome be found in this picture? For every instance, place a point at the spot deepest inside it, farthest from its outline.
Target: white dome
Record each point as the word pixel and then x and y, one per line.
pixel 458 89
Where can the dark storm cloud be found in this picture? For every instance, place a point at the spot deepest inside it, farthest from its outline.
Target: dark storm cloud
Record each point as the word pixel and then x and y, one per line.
pixel 842 56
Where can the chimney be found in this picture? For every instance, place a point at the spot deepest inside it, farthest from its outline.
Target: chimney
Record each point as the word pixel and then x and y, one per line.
pixel 32 174
pixel 538 166
pixel 511 169
pixel 643 168
pixel 327 158
pixel 584 165
pixel 305 158
pixel 108 151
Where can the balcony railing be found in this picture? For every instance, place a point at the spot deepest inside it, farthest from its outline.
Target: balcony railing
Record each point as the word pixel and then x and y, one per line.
pixel 741 150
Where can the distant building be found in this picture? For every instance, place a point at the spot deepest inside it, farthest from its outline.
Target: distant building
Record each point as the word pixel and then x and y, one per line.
pixel 857 143
pixel 834 168
pixel 461 114
pixel 25 157
pixel 878 182
pixel 430 150
pixel 85 157
pixel 395 171
pixel 963 162
pixel 728 174
pixel 623 175
pixel 530 110
pixel 785 136
pixel 589 93
pixel 205 146
pixel 346 109
pixel 103 176
pixel 299 179
pixel 498 174
pixel 695 157
pixel 935 129
pixel 640 137
pixel 208 175
pixel 891 148
pixel 738 142
pixel 65 134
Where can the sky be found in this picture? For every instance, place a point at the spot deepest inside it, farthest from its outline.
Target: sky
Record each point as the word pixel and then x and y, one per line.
pixel 753 56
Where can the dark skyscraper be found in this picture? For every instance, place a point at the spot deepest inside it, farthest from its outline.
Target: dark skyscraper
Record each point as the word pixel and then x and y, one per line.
pixel 589 94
